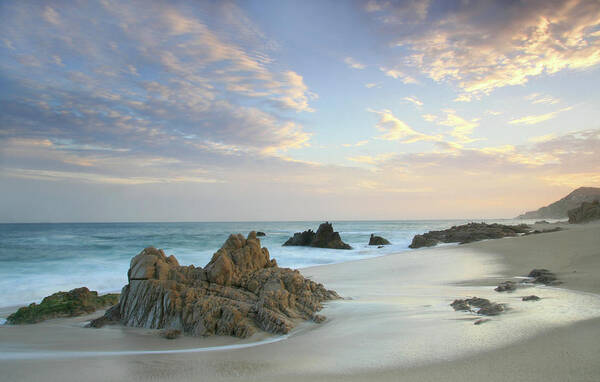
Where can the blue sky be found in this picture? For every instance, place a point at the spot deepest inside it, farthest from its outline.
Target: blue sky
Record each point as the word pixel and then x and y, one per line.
pixel 290 110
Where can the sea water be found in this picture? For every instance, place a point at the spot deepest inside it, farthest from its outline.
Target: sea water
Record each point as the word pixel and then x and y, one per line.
pixel 37 260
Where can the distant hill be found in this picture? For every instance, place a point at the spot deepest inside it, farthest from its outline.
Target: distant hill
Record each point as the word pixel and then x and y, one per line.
pixel 559 209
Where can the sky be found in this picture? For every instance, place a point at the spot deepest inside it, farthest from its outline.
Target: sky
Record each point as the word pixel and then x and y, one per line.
pixel 295 110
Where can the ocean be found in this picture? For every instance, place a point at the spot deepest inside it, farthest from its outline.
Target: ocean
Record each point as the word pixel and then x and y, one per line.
pixel 39 259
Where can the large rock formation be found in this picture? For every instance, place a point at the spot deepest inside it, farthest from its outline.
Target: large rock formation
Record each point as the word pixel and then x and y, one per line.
pixel 560 209
pixel 325 237
pixel 378 240
pixel 586 212
pixel 241 290
pixel 467 233
pixel 73 303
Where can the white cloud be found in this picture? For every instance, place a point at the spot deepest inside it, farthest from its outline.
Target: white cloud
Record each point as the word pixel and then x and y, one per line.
pixel 414 100
pixel 352 63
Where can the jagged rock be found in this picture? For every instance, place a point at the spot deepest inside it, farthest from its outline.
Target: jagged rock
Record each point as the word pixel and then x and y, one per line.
pixel 240 291
pixel 170 334
pixel 531 298
pixel 260 234
pixel 586 212
pixel 543 276
pixel 378 240
pixel 506 286
pixel 76 302
pixel 325 237
pixel 478 305
pixel 467 233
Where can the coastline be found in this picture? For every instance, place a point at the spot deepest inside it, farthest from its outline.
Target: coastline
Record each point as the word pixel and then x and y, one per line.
pixel 564 352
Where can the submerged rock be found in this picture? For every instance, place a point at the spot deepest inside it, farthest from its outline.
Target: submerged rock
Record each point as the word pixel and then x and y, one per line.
pixel 586 212
pixel 240 291
pixel 537 231
pixel 531 298
pixel 478 305
pixel 378 240
pixel 544 276
pixel 76 302
pixel 260 234
pixel 325 237
pixel 468 233
pixel 170 334
pixel 506 286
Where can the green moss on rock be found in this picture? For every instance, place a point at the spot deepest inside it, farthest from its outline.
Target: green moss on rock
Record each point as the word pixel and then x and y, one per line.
pixel 73 303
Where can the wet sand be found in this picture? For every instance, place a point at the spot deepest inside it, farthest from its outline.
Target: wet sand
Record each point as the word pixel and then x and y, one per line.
pixel 394 327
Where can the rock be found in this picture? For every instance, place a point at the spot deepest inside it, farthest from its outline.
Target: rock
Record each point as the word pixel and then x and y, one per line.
pixel 531 298
pixel 467 233
pixel 378 240
pixel 481 321
pixel 112 316
pixel 325 237
pixel 76 302
pixel 419 241
pixel 586 212
pixel 380 246
pixel 304 239
pixel 541 222
pixel 543 276
pixel 260 234
pixel 560 209
pixel 478 305
pixel 506 286
pixel 319 318
pixel 170 334
pixel 537 231
pixel 239 292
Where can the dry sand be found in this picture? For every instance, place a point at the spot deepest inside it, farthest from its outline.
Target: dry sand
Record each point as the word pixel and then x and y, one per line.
pixel 397 326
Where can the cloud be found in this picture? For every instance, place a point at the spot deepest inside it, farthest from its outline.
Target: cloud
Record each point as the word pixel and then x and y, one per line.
pixel 151 76
pixel 352 63
pixel 371 85
pixel 371 160
pixel 397 74
pixel 535 119
pixel 51 16
pixel 395 129
pixel 484 46
pixel 357 144
pixel 414 100
pixel 537 98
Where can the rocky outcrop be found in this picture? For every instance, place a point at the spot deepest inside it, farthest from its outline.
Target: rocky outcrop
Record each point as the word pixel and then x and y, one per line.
pixel 378 240
pixel 478 305
pixel 239 292
pixel 586 212
pixel 325 237
pixel 467 233
pixel 76 302
pixel 560 209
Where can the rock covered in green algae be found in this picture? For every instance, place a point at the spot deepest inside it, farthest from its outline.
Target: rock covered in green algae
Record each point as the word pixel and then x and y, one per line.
pixel 73 303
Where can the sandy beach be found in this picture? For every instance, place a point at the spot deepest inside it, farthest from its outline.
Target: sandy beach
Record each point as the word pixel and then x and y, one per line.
pixel 394 324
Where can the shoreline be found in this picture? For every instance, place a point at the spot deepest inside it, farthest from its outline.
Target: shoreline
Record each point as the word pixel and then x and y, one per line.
pixel 508 257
